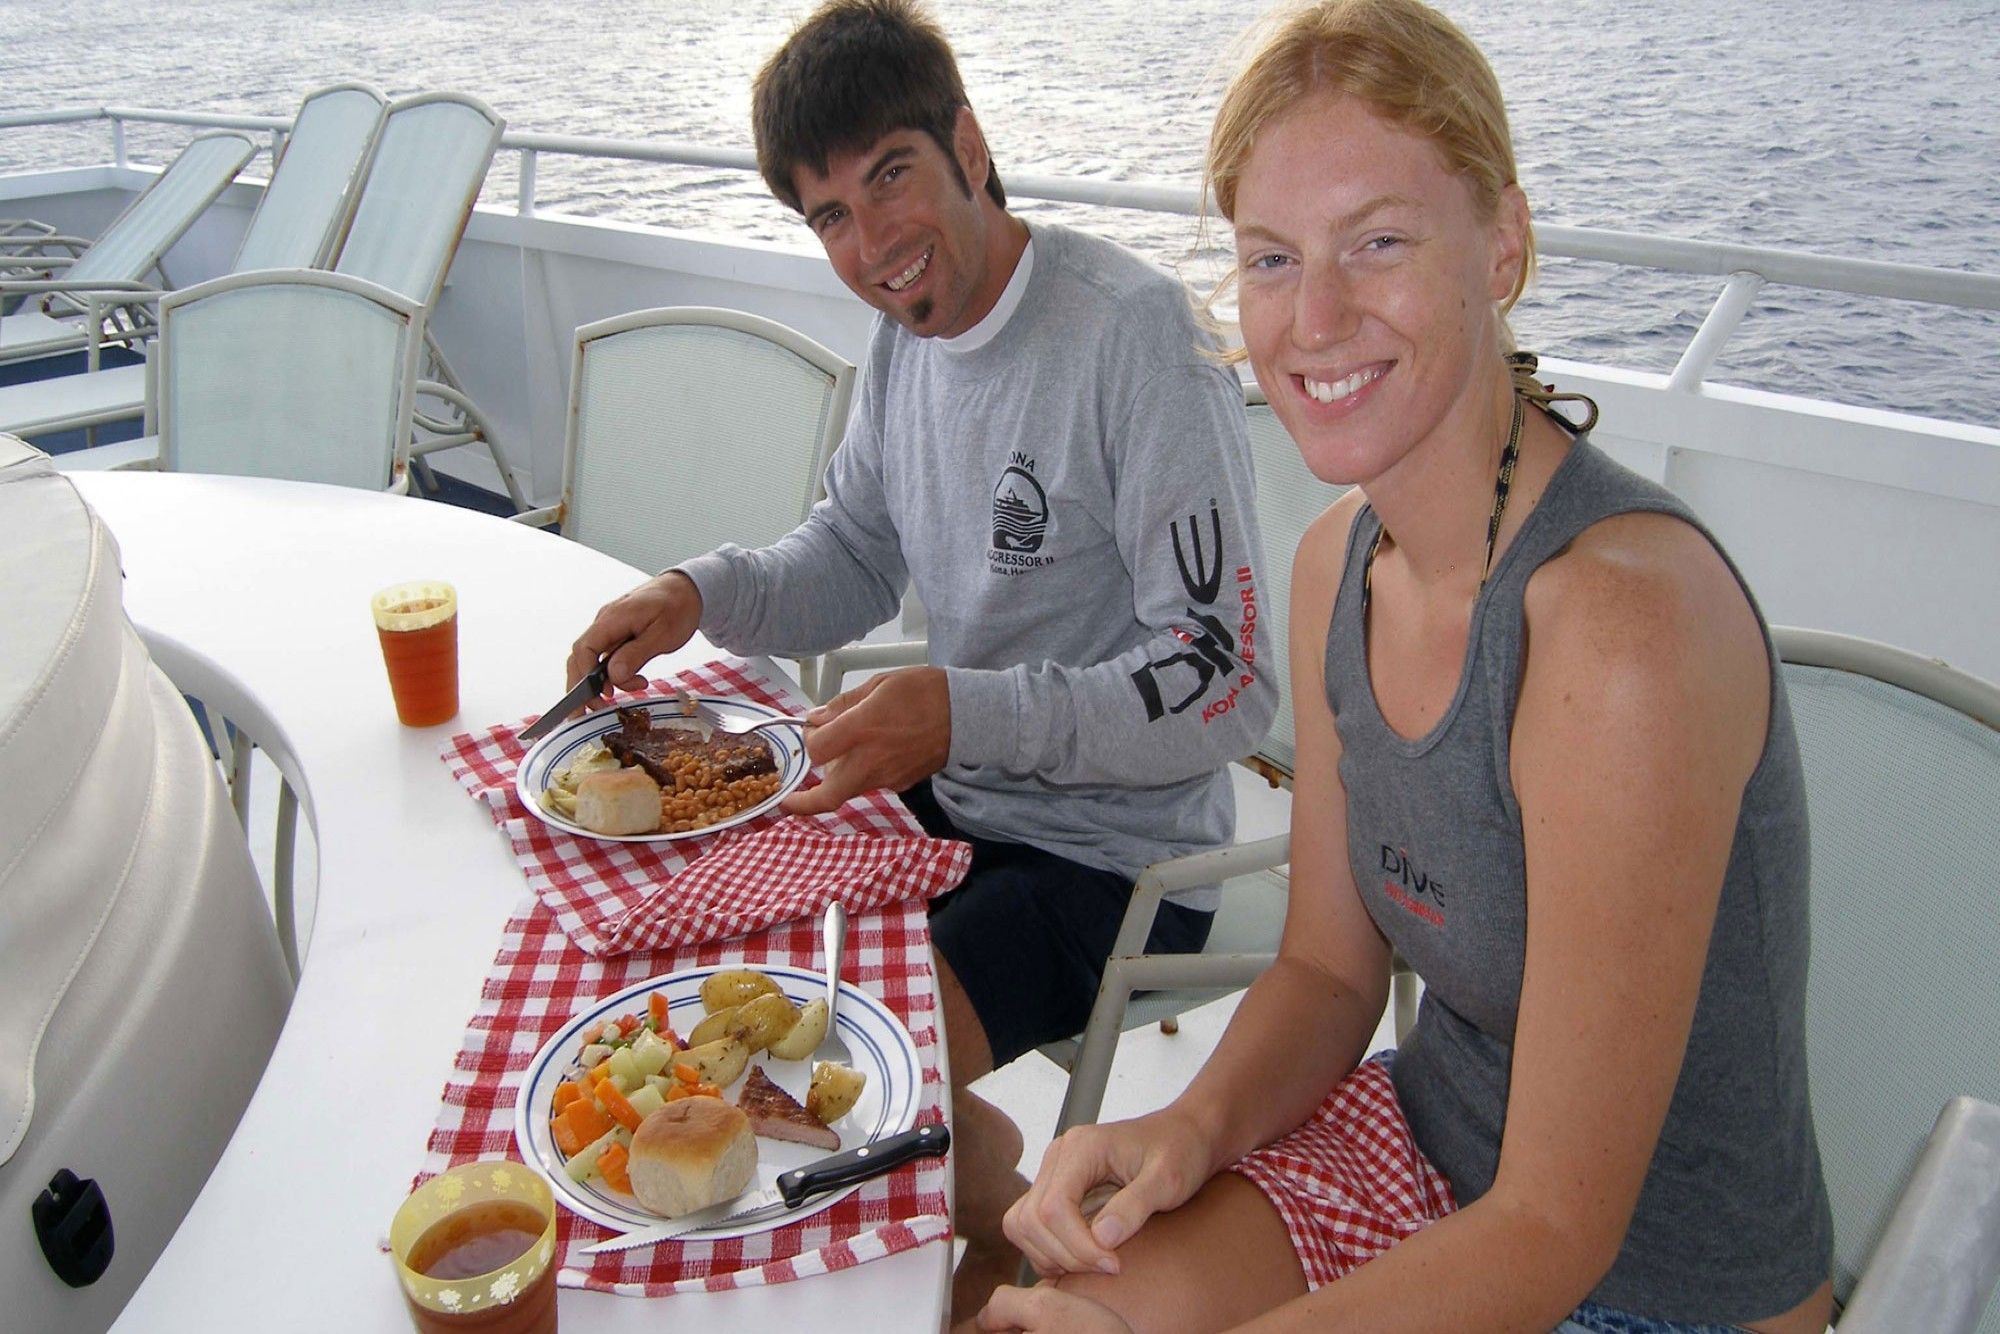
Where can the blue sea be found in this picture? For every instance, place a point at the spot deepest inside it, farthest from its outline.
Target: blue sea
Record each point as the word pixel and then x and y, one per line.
pixel 1823 125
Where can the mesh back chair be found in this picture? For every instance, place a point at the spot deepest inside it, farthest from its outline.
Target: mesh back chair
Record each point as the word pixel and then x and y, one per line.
pixel 114 267
pixel 1902 765
pixel 1251 917
pixel 690 427
pixel 306 206
pixel 298 374
pixel 424 176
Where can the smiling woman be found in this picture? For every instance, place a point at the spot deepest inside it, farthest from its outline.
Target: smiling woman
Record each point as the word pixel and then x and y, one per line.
pixel 1542 752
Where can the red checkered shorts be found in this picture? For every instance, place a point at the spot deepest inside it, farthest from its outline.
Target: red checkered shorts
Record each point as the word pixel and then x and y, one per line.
pixel 1351 1182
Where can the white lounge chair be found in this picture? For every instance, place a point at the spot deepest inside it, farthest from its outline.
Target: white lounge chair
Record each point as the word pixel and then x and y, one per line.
pixel 298 223
pixel 422 177
pixel 72 297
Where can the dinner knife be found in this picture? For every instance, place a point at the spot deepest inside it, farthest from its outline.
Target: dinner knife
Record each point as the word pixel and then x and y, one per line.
pixel 795 1188
pixel 589 688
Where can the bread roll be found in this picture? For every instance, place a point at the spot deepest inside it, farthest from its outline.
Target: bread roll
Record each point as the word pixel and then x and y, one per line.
pixel 624 801
pixel 691 1154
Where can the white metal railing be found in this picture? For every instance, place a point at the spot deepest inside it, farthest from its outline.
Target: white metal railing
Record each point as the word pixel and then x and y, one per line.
pixel 1746 269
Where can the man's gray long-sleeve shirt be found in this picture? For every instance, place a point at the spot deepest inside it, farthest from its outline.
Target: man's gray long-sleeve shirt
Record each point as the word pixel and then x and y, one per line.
pixel 1073 501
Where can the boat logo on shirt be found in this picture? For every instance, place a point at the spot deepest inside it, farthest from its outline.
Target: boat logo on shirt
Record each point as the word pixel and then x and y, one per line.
pixel 1020 519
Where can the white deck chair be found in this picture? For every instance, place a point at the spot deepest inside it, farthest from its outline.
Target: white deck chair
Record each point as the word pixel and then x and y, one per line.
pixel 1244 937
pixel 691 426
pixel 1902 766
pixel 428 167
pixel 79 294
pixel 298 222
pixel 294 373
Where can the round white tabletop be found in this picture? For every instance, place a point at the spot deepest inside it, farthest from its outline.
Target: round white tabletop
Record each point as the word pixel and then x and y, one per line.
pixel 261 588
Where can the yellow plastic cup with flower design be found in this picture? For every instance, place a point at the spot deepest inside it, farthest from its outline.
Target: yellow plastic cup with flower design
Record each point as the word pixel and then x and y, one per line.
pixel 475 1249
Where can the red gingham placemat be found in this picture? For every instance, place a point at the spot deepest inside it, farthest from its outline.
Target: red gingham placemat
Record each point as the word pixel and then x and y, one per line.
pixel 612 897
pixel 539 980
pixel 1351 1182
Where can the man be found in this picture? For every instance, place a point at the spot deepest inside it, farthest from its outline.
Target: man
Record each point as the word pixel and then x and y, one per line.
pixel 1041 446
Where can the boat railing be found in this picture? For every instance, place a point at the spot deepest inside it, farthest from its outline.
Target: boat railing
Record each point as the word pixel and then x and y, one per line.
pixel 1745 269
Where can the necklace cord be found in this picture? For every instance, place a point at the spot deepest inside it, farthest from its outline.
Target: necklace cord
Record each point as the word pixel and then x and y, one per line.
pixel 1521 367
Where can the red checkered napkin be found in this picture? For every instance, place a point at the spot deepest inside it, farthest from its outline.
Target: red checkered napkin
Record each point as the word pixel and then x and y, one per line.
pixel 612 897
pixel 539 980
pixel 1351 1182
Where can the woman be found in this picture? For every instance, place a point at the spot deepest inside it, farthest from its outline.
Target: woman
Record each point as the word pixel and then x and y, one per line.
pixel 1543 753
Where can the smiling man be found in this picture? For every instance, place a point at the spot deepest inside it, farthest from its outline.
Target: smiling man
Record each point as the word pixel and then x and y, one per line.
pixel 1043 447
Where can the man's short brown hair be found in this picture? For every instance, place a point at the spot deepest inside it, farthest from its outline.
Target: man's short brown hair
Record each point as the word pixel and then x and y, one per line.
pixel 853 72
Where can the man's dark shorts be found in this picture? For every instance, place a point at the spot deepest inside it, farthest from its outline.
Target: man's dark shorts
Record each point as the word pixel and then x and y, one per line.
pixel 1027 933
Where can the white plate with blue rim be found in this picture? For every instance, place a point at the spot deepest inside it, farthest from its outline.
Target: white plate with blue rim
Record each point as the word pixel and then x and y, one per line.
pixel 553 752
pixel 881 1048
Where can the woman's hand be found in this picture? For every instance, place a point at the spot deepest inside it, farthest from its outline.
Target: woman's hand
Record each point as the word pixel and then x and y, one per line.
pixel 1156 1162
pixel 1046 1307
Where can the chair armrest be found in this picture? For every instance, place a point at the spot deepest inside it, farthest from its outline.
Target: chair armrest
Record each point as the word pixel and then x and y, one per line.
pixel 1935 1265
pixel 835 665
pixel 1191 872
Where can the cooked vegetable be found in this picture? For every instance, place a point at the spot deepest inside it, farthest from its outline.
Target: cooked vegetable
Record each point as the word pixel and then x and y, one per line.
pixel 713 1026
pixel 566 1093
pixel 719 1062
pixel 625 1070
pixel 764 1020
pixel 656 1010
pixel 583 1163
pixel 834 1091
pixel 647 1099
pixel 616 1104
pixel 734 986
pixel 806 1034
pixel 578 1124
pixel 611 1162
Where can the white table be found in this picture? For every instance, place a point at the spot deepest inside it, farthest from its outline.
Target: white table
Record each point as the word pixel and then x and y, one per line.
pixel 258 591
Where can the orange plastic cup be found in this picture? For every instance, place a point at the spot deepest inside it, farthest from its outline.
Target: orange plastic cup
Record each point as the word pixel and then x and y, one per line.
pixel 418 626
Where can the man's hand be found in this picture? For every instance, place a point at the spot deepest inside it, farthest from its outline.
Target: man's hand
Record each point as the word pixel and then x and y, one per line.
pixel 891 731
pixel 657 617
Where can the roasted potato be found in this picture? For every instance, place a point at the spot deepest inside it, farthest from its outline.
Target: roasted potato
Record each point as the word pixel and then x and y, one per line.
pixel 765 1020
pixel 834 1091
pixel 715 1026
pixel 719 1062
pixel 806 1034
pixel 734 986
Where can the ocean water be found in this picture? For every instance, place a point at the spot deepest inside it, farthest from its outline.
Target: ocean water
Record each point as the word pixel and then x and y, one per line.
pixel 1831 126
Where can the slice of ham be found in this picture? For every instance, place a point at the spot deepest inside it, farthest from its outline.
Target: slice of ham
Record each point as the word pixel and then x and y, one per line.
pixel 776 1114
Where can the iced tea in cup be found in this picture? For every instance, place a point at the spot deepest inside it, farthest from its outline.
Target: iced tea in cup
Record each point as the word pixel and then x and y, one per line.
pixel 475 1248
pixel 418 626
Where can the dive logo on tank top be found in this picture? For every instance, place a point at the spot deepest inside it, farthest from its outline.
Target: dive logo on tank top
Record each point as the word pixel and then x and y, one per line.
pixel 1409 888
pixel 1020 520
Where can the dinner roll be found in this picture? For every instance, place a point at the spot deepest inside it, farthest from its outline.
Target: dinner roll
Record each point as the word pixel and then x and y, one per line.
pixel 623 801
pixel 691 1154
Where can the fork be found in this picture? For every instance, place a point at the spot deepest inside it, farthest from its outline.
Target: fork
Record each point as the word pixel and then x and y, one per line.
pixel 833 1047
pixel 731 726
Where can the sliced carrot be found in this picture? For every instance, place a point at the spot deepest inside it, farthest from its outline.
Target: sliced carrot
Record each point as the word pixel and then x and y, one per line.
pixel 599 1073
pixel 627 1023
pixel 586 1123
pixel 611 1166
pixel 707 1091
pixel 566 1093
pixel 686 1074
pixel 616 1103
pixel 566 1137
pixel 583 1087
pixel 679 1091
pixel 656 1006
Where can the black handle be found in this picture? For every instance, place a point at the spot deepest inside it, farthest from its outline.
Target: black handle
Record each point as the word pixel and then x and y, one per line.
pixel 870 1160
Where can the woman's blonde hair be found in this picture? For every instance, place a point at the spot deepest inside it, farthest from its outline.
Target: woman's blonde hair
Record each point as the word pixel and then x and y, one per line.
pixel 1406 60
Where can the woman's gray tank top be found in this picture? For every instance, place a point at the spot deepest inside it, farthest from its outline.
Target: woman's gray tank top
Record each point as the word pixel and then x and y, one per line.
pixel 1732 1223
